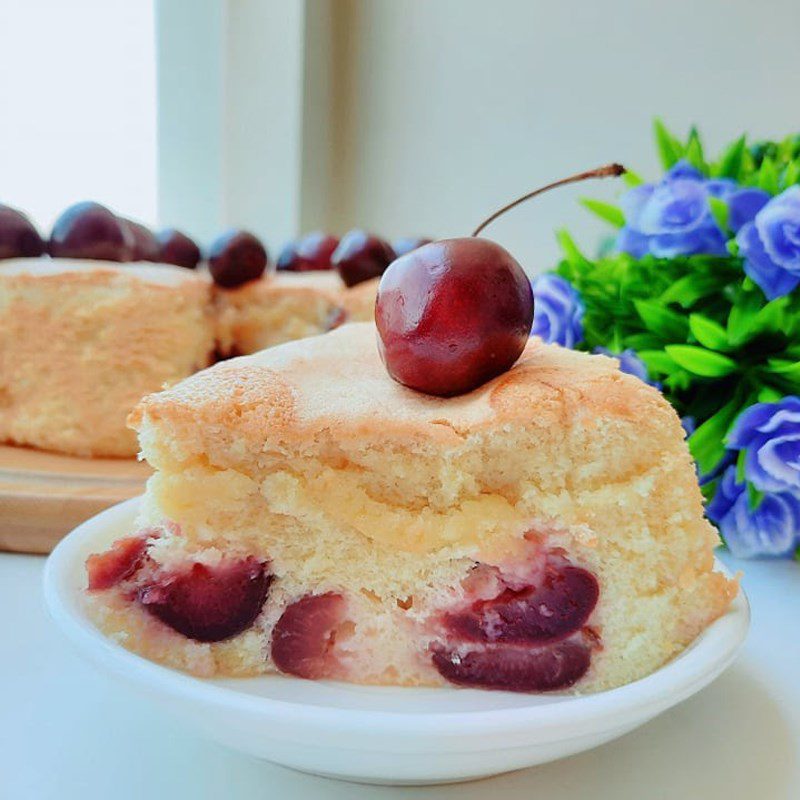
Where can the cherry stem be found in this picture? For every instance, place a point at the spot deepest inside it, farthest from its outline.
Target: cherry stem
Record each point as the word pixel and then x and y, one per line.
pixel 608 171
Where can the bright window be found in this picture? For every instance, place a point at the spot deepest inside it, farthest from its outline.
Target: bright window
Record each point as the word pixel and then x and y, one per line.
pixel 78 106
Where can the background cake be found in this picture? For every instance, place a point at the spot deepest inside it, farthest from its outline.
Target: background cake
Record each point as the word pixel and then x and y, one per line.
pixel 308 514
pixel 82 341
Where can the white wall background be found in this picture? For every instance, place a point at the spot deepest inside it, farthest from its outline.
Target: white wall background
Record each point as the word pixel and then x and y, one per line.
pixel 77 106
pixel 445 109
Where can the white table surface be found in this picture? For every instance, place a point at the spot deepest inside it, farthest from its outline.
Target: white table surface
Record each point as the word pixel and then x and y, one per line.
pixel 68 732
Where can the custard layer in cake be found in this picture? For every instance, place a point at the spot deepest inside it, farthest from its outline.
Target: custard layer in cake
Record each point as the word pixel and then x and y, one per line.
pixel 82 341
pixel 310 515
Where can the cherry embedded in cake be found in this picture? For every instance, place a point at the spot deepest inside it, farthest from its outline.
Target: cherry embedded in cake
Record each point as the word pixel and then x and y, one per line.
pixel 207 603
pixel 303 641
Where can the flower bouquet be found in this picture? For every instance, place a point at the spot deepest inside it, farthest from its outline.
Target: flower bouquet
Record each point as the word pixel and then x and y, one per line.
pixel 697 293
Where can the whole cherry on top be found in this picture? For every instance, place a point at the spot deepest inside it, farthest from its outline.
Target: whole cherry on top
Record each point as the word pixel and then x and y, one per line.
pixel 456 313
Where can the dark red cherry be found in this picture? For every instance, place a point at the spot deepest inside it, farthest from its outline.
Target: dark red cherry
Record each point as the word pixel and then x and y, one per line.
pixel 513 668
pixel 550 612
pixel 408 243
pixel 89 230
pixel 236 257
pixel 453 315
pixel 145 244
pixel 209 604
pixel 361 256
pixel 18 236
pixel 304 637
pixel 119 562
pixel 177 248
pixel 311 252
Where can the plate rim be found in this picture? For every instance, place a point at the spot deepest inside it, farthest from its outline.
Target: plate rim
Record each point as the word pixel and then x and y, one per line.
pixel 697 666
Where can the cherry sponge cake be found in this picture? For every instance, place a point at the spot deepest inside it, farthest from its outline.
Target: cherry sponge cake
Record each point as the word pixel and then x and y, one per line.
pixel 309 515
pixel 82 341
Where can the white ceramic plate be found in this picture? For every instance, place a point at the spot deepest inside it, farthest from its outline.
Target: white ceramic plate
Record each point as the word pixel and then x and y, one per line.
pixel 380 734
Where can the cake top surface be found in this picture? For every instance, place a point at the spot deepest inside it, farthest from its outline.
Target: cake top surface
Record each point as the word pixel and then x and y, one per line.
pixel 158 274
pixel 337 383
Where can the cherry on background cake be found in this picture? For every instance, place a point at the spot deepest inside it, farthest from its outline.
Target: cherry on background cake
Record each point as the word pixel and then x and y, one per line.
pixel 311 516
pixel 82 341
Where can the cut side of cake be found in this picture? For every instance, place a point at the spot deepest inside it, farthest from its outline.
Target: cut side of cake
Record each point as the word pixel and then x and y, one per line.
pixel 82 341
pixel 279 308
pixel 310 516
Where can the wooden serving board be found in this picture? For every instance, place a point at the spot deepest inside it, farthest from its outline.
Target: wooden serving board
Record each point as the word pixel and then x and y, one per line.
pixel 43 496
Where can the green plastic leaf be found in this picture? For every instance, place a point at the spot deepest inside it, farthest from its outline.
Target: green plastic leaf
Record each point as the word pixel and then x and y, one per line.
pixel 754 496
pixel 632 179
pixel 741 462
pixel 731 163
pixel 769 395
pixel 572 254
pixel 694 151
pixel 768 176
pixel 710 334
pixel 657 361
pixel 791 175
pixel 700 361
pixel 742 318
pixel 707 443
pixel 789 370
pixel 607 211
pixel 720 212
pixel 640 341
pixel 686 291
pixel 670 150
pixel 679 381
pixel 668 324
pixel 771 317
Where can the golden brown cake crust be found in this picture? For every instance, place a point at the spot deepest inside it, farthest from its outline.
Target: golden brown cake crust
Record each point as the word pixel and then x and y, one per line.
pixel 337 383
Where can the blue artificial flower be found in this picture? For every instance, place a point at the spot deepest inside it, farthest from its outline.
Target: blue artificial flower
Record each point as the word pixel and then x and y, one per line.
pixel 631 363
pixel 770 435
pixel 689 425
pixel 770 529
pixel 770 244
pixel 744 204
pixel 673 217
pixel 558 311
